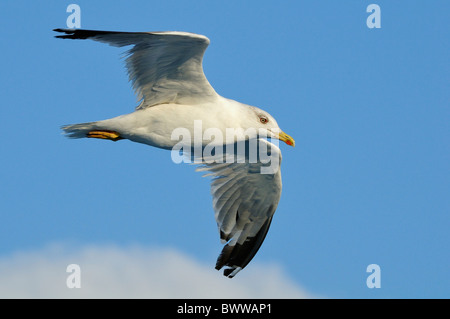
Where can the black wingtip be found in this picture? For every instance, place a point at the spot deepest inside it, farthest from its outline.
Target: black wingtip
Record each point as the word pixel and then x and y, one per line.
pixel 82 33
pixel 231 272
pixel 69 33
pixel 236 256
pixel 225 260
pixel 79 33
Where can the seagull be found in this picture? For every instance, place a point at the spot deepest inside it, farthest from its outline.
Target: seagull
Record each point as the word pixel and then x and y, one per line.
pixel 166 72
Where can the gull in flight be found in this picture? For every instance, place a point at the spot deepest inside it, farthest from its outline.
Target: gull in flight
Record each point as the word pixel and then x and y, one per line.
pixel 165 69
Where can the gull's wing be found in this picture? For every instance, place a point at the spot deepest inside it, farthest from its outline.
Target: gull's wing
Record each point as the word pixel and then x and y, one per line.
pixel 244 201
pixel 164 67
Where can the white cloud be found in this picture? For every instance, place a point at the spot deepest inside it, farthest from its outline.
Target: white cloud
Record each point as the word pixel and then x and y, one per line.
pixel 135 272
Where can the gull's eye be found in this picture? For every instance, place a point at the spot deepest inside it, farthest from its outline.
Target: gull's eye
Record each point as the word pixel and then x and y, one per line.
pixel 263 119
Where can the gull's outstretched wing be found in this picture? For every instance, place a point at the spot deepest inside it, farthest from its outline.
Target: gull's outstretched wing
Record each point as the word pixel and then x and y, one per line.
pixel 164 67
pixel 244 201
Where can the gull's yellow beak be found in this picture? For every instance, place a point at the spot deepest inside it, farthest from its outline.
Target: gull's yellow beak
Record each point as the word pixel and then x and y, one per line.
pixel 286 138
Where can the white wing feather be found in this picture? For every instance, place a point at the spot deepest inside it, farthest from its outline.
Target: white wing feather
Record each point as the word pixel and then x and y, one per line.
pixel 164 67
pixel 244 201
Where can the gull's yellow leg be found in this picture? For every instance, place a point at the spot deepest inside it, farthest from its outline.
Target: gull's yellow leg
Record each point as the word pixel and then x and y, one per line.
pixel 107 135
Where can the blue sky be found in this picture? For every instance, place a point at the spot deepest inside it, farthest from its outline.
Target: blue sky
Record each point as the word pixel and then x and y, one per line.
pixel 367 183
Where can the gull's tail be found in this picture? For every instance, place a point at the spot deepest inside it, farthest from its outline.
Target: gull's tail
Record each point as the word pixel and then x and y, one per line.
pixel 79 130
